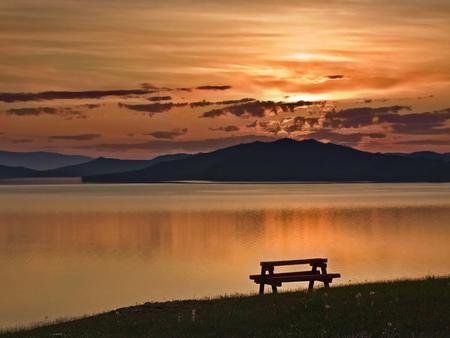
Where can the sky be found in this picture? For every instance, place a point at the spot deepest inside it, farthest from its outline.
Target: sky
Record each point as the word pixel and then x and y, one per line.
pixel 136 78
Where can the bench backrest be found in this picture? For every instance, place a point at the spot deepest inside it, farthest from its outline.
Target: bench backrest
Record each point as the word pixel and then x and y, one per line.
pixel 311 261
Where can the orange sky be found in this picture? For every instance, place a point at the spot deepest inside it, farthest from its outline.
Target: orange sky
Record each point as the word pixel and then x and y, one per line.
pixel 380 69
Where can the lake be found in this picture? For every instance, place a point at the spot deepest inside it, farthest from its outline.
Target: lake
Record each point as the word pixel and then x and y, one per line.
pixel 70 250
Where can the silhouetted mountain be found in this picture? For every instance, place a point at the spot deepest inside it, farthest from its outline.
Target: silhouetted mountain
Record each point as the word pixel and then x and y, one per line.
pixel 103 165
pixel 15 172
pixel 40 160
pixel 288 160
pixel 429 155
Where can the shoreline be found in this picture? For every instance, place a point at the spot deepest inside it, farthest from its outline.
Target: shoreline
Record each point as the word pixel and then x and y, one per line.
pixel 79 181
pixel 402 307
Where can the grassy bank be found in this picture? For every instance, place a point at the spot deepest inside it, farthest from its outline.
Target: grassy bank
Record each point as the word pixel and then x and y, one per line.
pixel 419 308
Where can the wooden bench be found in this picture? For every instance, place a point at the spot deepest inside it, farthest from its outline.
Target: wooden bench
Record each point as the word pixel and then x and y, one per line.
pixel 269 277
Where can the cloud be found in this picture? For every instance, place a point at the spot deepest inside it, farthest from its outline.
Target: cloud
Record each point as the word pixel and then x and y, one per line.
pixel 230 128
pixel 256 109
pixel 205 103
pixel 160 98
pixel 22 140
pixel 172 145
pixel 300 123
pixel 426 142
pixel 209 87
pixel 32 111
pixel 350 139
pixel 66 112
pixel 252 124
pixel 361 116
pixel 153 108
pixel 418 123
pixel 168 134
pixel 79 137
pixel 66 95
pixel 335 77
pixel 273 127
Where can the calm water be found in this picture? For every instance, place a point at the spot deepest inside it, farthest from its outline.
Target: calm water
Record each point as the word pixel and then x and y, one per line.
pixel 68 250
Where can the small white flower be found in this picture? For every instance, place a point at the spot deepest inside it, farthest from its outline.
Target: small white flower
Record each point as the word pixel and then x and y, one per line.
pixel 193 315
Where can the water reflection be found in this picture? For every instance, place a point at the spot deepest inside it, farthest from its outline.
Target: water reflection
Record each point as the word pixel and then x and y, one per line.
pixel 60 258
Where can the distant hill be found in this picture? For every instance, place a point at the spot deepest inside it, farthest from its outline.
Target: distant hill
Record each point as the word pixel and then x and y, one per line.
pixel 288 160
pixel 429 155
pixel 16 172
pixel 40 160
pixel 100 166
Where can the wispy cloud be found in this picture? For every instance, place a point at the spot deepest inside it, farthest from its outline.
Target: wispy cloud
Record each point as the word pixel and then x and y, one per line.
pixel 229 128
pixel 168 134
pixel 209 87
pixel 78 137
pixel 256 109
pixel 65 95
pixel 153 108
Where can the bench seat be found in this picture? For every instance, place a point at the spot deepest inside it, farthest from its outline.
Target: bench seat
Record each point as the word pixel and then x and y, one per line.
pixel 295 277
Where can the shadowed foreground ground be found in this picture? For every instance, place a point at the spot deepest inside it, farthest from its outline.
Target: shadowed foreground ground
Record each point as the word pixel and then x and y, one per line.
pixel 419 308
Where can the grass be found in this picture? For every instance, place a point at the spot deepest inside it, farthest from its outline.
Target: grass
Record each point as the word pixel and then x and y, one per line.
pixel 413 308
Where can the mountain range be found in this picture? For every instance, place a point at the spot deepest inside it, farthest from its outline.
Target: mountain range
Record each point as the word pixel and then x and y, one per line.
pixel 288 160
pixel 40 160
pixel 281 160
pixel 102 165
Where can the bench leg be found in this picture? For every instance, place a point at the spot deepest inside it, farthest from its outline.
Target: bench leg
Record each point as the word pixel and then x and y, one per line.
pixel 261 288
pixel 274 288
pixel 311 282
pixel 311 285
pixel 323 268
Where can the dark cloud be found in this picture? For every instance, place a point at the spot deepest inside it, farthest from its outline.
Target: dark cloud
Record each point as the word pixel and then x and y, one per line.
pixel 185 89
pixel 334 77
pixel 169 135
pixel 66 112
pixel 22 140
pixel 257 109
pixel 252 124
pixel 349 139
pixel 273 127
pixel 209 87
pixel 90 105
pixel 230 128
pixel 172 145
pixel 153 108
pixel 426 142
pixel 65 95
pixel 358 117
pixel 32 111
pixel 244 100
pixel 419 130
pixel 160 98
pixel 418 123
pixel 205 103
pixel 298 123
pixel 79 137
